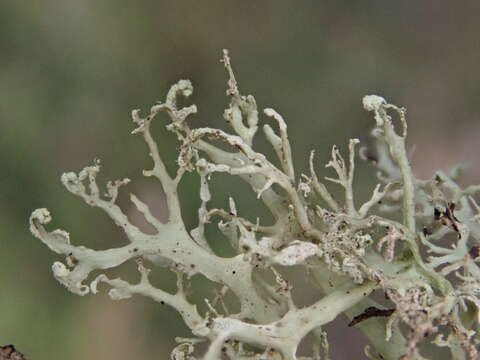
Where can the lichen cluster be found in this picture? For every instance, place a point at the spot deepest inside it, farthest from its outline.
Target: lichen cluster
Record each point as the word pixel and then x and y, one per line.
pixel 415 241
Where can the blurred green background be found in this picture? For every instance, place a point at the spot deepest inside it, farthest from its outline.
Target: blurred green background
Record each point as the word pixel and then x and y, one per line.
pixel 71 72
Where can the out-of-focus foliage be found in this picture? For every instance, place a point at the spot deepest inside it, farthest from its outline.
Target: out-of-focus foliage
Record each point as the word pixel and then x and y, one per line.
pixel 70 72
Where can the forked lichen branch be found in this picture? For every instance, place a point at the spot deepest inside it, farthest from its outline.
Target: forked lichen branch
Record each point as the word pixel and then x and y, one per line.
pixel 349 251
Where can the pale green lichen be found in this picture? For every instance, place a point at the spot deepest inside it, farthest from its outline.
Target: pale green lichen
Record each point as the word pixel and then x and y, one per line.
pixel 349 251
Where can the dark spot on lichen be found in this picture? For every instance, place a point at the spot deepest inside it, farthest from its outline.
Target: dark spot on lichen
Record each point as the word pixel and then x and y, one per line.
pixel 426 231
pixel 369 312
pixel 474 252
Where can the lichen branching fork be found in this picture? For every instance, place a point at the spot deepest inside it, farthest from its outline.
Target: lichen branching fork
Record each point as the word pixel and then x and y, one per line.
pixel 348 251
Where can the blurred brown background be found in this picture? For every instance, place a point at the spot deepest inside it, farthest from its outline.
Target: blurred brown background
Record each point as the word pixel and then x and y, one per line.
pixel 71 72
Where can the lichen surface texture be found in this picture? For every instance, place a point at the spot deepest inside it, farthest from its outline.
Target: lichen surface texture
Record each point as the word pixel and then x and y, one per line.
pixel 402 266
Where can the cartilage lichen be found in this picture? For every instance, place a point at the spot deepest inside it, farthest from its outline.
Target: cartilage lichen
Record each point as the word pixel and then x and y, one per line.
pixel 348 249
